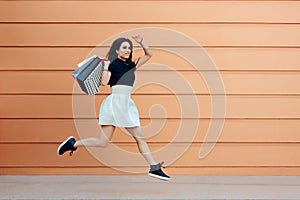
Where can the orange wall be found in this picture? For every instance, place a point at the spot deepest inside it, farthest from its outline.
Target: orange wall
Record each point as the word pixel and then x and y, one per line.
pixel 255 48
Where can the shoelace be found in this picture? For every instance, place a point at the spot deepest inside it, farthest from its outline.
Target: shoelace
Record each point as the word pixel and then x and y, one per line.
pixel 71 152
pixel 161 164
pixel 157 166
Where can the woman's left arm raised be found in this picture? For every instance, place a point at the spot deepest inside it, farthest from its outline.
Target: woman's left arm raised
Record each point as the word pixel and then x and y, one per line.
pixel 148 53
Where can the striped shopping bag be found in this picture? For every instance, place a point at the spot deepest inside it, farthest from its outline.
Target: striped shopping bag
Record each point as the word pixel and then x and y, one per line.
pixel 88 74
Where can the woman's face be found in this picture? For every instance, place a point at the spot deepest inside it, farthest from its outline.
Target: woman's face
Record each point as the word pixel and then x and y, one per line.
pixel 124 51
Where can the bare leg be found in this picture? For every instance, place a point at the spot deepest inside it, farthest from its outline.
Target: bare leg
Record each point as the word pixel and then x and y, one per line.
pixel 138 135
pixel 106 133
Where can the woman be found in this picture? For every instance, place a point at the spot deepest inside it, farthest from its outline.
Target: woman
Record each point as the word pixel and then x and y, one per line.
pixel 118 109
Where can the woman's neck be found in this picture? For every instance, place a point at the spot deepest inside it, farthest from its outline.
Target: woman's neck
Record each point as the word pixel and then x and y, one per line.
pixel 123 59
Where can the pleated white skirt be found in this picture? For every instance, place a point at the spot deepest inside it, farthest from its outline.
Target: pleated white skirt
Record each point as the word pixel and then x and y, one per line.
pixel 118 109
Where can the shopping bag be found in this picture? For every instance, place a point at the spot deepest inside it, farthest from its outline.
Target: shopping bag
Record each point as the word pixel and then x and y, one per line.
pixel 88 74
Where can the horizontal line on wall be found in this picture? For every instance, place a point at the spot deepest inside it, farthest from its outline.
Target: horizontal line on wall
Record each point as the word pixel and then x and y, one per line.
pixel 200 166
pixel 156 118
pixel 92 46
pixel 151 94
pixel 147 23
pixel 38 69
pixel 158 47
pixel 160 143
pixel 157 0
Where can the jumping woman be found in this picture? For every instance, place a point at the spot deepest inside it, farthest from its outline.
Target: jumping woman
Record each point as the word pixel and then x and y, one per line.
pixel 118 109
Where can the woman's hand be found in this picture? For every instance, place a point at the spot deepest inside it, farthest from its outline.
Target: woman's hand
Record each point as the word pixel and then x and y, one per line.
pixel 138 38
pixel 148 53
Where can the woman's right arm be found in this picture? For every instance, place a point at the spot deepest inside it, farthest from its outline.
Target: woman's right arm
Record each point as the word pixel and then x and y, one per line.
pixel 105 74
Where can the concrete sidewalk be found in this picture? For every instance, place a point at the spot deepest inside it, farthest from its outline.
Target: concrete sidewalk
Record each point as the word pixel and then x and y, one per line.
pixel 144 187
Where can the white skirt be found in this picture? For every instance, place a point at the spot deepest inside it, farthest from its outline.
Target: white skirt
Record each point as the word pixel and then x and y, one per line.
pixel 118 109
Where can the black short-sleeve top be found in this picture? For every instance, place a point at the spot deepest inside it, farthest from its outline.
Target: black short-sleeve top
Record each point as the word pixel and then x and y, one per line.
pixel 122 73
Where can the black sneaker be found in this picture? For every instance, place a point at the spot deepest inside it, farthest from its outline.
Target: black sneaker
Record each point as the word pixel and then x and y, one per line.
pixel 156 172
pixel 67 145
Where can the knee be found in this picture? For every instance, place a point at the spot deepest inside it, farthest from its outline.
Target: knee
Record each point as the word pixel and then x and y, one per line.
pixel 104 143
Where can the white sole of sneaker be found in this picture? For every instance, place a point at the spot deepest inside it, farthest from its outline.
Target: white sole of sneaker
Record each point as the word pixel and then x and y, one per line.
pixel 159 177
pixel 62 144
